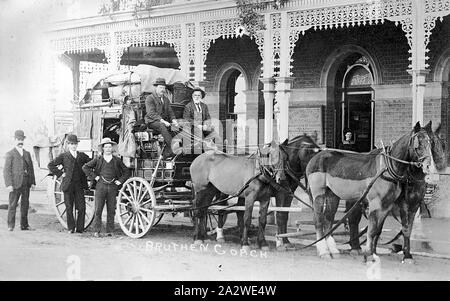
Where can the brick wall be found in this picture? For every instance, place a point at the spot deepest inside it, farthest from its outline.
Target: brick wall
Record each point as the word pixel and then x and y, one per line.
pixel 386 43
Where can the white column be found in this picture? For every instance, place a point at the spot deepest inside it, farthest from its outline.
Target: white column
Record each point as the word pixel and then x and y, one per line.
pixel 418 65
pixel 284 82
pixel 283 88
pixel 269 96
pixel 199 63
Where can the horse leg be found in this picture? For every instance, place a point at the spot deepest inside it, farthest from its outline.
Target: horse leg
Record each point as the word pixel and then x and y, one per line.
pixel 332 203
pixel 283 200
pixel 240 216
pixel 376 222
pixel 263 209
pixel 203 198
pixel 322 248
pixel 407 214
pixel 221 220
pixel 353 220
pixel 249 202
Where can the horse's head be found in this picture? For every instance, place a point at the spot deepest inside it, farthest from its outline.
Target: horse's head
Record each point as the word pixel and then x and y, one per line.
pixel 273 158
pixel 420 147
pixel 300 151
pixel 437 147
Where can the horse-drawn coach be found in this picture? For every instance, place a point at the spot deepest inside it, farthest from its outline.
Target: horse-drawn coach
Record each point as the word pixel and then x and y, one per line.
pixel 202 183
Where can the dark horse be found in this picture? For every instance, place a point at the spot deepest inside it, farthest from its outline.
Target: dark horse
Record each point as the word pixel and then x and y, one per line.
pixel 413 191
pixel 217 174
pixel 335 175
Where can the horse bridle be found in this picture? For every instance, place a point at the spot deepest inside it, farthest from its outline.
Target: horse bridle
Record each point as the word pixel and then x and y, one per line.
pixel 388 159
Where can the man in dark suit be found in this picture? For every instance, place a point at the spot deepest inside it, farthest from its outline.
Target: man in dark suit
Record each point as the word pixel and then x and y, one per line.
pixel 73 183
pixel 19 178
pixel 110 173
pixel 159 115
pixel 196 114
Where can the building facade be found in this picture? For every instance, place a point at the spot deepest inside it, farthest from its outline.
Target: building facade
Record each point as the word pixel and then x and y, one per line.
pixel 319 66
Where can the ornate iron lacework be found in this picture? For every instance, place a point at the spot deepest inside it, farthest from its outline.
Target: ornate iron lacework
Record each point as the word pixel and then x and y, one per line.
pixel 83 43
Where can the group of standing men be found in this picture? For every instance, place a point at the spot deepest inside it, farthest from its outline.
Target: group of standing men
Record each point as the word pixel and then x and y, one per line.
pixel 107 170
pixel 74 167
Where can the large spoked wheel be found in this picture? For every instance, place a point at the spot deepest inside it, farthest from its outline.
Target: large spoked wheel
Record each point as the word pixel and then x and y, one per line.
pixel 135 208
pixel 60 207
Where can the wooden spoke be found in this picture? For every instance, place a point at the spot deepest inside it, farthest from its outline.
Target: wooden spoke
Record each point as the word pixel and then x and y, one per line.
pixel 128 219
pixel 126 212
pixel 141 198
pixel 140 221
pixel 132 223
pixel 146 210
pixel 131 192
pixel 64 211
pixel 60 203
pixel 145 218
pixel 136 225
pixel 140 192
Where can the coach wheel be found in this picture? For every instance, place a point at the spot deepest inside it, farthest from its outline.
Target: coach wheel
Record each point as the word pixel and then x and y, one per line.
pixel 60 207
pixel 135 207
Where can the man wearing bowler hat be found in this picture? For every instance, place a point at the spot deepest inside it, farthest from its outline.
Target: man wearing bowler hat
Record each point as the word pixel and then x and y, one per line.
pixel 19 178
pixel 74 182
pixel 110 173
pixel 159 115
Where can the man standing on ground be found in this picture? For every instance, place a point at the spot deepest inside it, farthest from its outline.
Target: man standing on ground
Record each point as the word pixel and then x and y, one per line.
pixel 74 182
pixel 19 178
pixel 110 173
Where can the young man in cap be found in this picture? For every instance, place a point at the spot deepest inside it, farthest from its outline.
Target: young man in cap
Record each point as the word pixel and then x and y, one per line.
pixel 18 173
pixel 74 182
pixel 159 115
pixel 196 114
pixel 110 173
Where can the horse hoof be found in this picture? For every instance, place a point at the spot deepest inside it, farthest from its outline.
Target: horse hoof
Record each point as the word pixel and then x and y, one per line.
pixel 246 248
pixel 336 255
pixel 220 241
pixel 282 248
pixel 198 242
pixel 355 253
pixel 265 248
pixel 408 261
pixel 325 256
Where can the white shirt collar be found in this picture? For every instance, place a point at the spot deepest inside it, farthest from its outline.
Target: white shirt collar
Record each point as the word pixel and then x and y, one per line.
pixel 74 154
pixel 20 150
pixel 107 158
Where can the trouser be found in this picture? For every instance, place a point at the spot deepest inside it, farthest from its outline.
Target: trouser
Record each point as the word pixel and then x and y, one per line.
pixel 14 196
pixel 160 128
pixel 105 193
pixel 75 196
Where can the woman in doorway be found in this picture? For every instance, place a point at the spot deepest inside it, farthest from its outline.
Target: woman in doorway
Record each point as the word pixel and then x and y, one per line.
pixel 349 142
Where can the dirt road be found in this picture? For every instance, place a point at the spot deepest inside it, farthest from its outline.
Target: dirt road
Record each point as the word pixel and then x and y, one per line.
pixel 48 253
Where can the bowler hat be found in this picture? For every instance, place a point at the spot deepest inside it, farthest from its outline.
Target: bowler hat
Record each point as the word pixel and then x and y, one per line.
pixel 107 141
pixel 201 90
pixel 19 134
pixel 72 139
pixel 159 82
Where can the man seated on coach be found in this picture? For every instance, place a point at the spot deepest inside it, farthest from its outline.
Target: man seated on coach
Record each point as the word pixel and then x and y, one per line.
pixel 160 116
pixel 196 115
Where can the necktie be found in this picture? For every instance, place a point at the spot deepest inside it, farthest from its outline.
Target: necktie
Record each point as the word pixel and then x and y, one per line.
pixel 198 107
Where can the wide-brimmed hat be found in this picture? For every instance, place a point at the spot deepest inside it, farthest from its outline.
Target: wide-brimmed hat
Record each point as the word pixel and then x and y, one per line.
pixel 201 90
pixel 107 141
pixel 19 134
pixel 159 82
pixel 72 139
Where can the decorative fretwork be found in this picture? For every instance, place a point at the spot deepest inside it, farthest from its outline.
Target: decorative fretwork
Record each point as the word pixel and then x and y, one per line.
pixel 150 36
pixel 350 15
pixel 275 21
pixel 437 6
pixel 79 44
pixel 276 55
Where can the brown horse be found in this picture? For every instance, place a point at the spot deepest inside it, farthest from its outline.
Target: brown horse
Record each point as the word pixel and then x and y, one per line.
pixel 215 173
pixel 296 154
pixel 334 175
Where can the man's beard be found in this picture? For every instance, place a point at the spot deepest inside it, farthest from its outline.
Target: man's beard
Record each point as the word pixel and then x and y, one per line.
pixel 20 144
